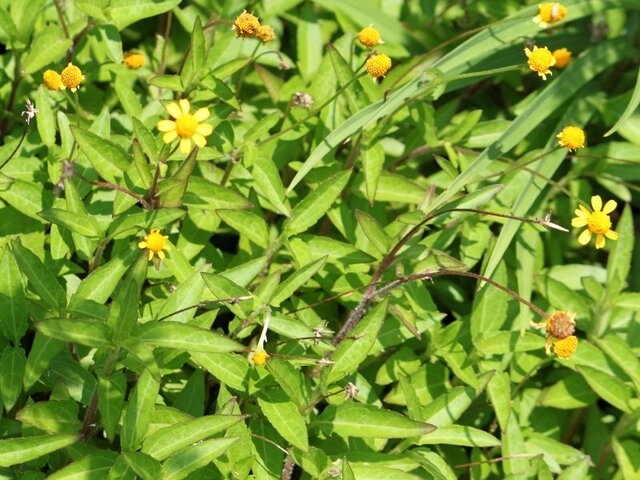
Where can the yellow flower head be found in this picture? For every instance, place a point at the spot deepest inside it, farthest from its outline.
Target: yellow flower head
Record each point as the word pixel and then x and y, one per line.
pixel 155 243
pixel 378 65
pixel 186 126
pixel 540 60
pixel 133 60
pixel 571 137
pixel 265 33
pixel 71 77
pixel 259 357
pixel 369 37
pixel 597 222
pixel 559 329
pixel 565 347
pixel 550 12
pixel 52 80
pixel 562 56
pixel 246 25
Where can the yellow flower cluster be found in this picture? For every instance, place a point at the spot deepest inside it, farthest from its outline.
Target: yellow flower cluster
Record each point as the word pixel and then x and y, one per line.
pixel 247 25
pixel 70 77
pixel 550 12
pixel 559 329
pixel 133 60
pixel 185 125
pixel 377 64
pixel 155 243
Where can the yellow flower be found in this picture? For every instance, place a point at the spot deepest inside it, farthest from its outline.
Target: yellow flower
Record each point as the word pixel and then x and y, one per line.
pixel 52 80
pixel 571 137
pixel 559 329
pixel 186 126
pixel 369 37
pixel 265 33
pixel 155 243
pixel 71 77
pixel 597 222
pixel 565 347
pixel 562 56
pixel 246 25
pixel 540 60
pixel 133 60
pixel 259 357
pixel 550 12
pixel 378 65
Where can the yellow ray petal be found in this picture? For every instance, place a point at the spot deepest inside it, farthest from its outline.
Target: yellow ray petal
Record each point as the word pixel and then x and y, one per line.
pixel 201 114
pixel 580 213
pixel 184 105
pixel 142 245
pixel 170 136
pixel 204 129
pixel 161 255
pixel 596 203
pixel 584 237
pixel 199 140
pixel 610 206
pixel 599 241
pixel 174 110
pixel 185 146
pixel 611 235
pixel 578 222
pixel 166 125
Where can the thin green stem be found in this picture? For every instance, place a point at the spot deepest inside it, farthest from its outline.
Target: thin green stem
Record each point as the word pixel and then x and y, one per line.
pixel 243 72
pixel 15 150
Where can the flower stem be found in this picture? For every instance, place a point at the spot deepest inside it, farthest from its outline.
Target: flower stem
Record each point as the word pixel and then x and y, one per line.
pixel 243 72
pixel 15 150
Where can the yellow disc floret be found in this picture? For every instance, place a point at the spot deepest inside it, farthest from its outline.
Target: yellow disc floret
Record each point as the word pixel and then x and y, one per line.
pixel 597 222
pixel 186 125
pixel 52 80
pixel 369 37
pixel 265 33
pixel 71 77
pixel 378 65
pixel 133 60
pixel 550 12
pixel 540 60
pixel 571 137
pixel 246 25
pixel 259 358
pixel 565 347
pixel 155 243
pixel 562 56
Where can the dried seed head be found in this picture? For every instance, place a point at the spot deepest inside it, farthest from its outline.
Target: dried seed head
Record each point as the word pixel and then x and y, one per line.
pixel 561 324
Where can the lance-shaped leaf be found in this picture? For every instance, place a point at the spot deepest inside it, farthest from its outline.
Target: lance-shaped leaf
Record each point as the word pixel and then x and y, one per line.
pixel 192 458
pixel 186 337
pixel 107 157
pixel 14 451
pixel 287 288
pixel 92 333
pixel 285 418
pixel 80 223
pixel 13 301
pixel 171 190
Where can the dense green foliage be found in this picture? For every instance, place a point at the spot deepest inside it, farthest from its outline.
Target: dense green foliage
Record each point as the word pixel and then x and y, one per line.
pixel 350 266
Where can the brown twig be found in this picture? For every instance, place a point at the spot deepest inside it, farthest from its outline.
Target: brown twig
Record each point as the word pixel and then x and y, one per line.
pixel 113 186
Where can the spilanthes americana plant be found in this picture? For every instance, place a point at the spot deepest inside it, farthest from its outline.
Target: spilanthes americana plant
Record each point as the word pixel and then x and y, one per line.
pixel 324 240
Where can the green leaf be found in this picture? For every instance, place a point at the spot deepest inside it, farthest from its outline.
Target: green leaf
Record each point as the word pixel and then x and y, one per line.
pixel 290 380
pixel 107 157
pixel 185 337
pixel 609 388
pixel 127 96
pixel 232 370
pixel 631 107
pixel 92 333
pixel 374 232
pixel 25 15
pixel 196 56
pixel 95 465
pixel 352 351
pixel 15 451
pixel 111 41
pixel 285 418
pixel 499 391
pixel 572 391
pixel 296 280
pixel 43 350
pixel 101 283
pixel 162 443
pixel 54 416
pixel 170 82
pixel 144 466
pixel 41 280
pixel 619 263
pixel 460 435
pixel 308 41
pixel 269 184
pixel 13 301
pixel 172 189
pixel 82 224
pixel 46 121
pixel 139 411
pixel 622 354
pixel 310 209
pixel 12 365
pixel 123 13
pixel 373 162
pixel 209 196
pixel 248 224
pixel 111 392
pixel 49 46
pixel 192 458
pixel 361 421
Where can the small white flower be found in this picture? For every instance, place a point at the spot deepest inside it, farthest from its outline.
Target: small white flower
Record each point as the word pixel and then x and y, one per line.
pixel 30 111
